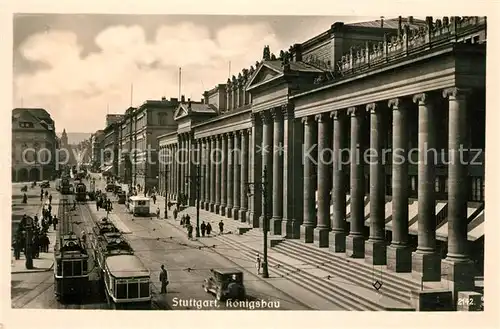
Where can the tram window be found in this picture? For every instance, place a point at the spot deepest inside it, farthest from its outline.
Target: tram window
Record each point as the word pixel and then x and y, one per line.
pixel 67 268
pixel 121 290
pixel 59 268
pixel 84 266
pixel 133 290
pixel 141 203
pixel 77 268
pixel 144 289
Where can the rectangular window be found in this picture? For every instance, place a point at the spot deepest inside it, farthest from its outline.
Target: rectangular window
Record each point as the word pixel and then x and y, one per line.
pixel 59 267
pixel 144 289
pixel 133 290
pixel 67 268
pixel 121 290
pixel 77 268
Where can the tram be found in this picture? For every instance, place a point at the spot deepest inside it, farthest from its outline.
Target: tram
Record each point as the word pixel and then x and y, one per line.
pixel 125 279
pixel 65 186
pixel 80 192
pixel 71 276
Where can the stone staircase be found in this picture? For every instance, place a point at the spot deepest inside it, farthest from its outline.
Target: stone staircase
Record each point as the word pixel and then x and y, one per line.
pixel 347 283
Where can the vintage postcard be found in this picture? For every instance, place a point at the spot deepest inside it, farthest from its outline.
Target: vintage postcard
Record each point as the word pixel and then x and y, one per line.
pixel 177 162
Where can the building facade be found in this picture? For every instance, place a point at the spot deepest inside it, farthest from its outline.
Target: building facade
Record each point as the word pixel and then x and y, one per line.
pixel 97 144
pixel 399 88
pixel 34 145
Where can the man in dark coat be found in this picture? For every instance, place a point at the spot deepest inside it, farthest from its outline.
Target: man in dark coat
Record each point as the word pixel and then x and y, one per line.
pixel 163 280
pixel 203 227
pixel 209 228
pixel 221 226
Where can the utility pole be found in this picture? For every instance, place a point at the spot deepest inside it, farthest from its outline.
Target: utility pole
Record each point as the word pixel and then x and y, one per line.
pixel 197 183
pixel 263 189
pixel 166 190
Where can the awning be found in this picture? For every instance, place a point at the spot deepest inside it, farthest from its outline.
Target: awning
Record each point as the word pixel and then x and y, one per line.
pixel 107 168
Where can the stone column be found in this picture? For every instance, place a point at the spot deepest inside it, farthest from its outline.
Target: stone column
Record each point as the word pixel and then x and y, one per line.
pixel 399 252
pixel 375 247
pixel 277 154
pixel 230 174
pixel 192 162
pixel 208 174
pixel 213 172
pixel 292 174
pixel 179 167
pixel 267 162
pixel 338 234
pixel 324 180
pixel 236 174
pixel 255 170
pixel 223 176
pixel 244 176
pixel 310 138
pixel 355 241
pixel 457 268
pixel 218 173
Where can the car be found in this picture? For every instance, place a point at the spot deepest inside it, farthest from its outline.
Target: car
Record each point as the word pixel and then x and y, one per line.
pixel 45 184
pixel 225 284
pixel 110 187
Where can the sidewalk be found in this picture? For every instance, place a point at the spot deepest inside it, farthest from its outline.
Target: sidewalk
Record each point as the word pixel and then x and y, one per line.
pixel 46 260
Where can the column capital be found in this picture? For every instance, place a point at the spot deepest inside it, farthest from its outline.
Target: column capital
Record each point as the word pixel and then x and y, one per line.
pixel 456 93
pixel 373 108
pixel 287 110
pixel 249 131
pixel 421 99
pixel 244 132
pixel 397 103
pixel 254 116
pixel 354 111
pixel 277 113
pixel 322 117
pixel 228 134
pixel 338 114
pixel 307 120
pixel 266 116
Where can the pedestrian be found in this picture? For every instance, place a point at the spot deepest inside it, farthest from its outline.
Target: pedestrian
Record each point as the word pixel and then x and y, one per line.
pixel 169 204
pixel 55 221
pixel 98 202
pixel 163 280
pixel 209 229
pixel 25 198
pixel 49 210
pixel 41 196
pixel 50 199
pixel 175 214
pixel 188 219
pixel 190 231
pixel 221 226
pixel 203 227
pixel 258 263
pixel 46 194
pixel 154 199
pixel 183 220
pixel 158 212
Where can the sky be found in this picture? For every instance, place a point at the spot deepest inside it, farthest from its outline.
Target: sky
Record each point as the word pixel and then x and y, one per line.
pixel 82 66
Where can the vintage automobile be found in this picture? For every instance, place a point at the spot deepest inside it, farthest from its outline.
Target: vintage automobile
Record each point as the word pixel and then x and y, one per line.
pixel 45 184
pixel 110 187
pixel 225 284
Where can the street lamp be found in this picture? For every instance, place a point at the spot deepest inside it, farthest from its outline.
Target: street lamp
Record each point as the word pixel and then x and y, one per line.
pixel 263 189
pixel 196 179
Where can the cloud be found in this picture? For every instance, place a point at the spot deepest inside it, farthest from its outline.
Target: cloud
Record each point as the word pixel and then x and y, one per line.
pixel 76 89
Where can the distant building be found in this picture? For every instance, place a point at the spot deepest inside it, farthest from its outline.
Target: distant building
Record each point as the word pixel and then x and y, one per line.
pixel 34 144
pixel 96 140
pixel 112 118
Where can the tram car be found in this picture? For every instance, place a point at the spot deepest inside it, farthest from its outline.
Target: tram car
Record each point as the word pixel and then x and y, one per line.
pixel 71 276
pixel 126 279
pixel 80 192
pixel 65 186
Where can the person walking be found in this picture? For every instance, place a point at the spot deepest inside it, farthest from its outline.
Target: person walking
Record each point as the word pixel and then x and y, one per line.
pixel 258 263
pixel 209 229
pixel 157 212
pixel 163 280
pixel 190 231
pixel 221 226
pixel 55 221
pixel 203 227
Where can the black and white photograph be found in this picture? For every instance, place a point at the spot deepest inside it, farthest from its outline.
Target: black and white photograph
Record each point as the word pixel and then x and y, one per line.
pixel 178 162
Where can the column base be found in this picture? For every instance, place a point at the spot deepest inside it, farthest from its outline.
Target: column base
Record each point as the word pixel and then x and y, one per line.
pixel 206 205
pixel 321 235
pixel 254 219
pixel 222 210
pixel 229 212
pixel 242 215
pixel 399 259
pixel 376 252
pixel 458 275
pixel 338 241
pixel 217 209
pixel 307 233
pixel 355 246
pixel 275 226
pixel 426 265
pixel 235 213
pixel 290 229
pixel 212 207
